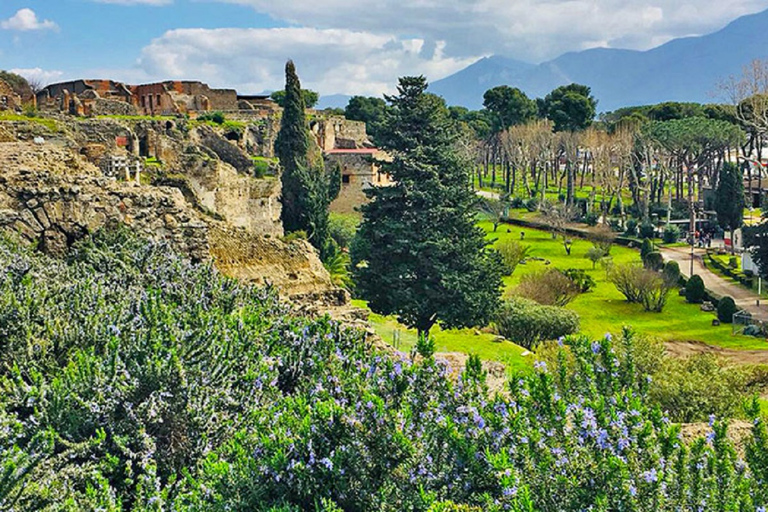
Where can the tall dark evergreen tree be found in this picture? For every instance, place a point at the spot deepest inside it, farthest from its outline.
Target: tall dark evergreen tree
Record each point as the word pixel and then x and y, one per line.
pixel 419 254
pixel 571 107
pixel 729 198
pixel 308 189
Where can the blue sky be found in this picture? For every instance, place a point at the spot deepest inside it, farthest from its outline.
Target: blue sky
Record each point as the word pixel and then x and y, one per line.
pixel 339 46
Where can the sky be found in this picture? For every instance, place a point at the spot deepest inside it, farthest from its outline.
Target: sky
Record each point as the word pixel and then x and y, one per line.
pixel 339 46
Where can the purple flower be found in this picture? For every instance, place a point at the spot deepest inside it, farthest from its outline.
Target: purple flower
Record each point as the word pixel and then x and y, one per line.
pixel 651 476
pixel 595 347
pixel 540 365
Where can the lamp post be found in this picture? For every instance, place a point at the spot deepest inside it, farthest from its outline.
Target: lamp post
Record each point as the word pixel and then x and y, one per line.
pixel 693 234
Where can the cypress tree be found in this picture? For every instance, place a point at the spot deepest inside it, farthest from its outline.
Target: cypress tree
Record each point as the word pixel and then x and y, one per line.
pixel 729 198
pixel 307 189
pixel 418 253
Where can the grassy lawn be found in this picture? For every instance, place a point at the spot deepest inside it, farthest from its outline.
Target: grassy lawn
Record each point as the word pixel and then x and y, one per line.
pixel 605 310
pixel 456 340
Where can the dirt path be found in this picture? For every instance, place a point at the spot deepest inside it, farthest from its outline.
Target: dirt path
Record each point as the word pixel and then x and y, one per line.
pixel 744 298
pixel 690 348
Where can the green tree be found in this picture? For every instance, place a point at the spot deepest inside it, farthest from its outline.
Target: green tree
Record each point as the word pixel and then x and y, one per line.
pixel 418 253
pixel 310 97
pixel 571 107
pixel 369 110
pixel 729 198
pixel 508 106
pixel 308 189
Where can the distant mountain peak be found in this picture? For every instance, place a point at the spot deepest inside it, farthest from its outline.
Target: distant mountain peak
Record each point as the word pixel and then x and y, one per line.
pixel 683 69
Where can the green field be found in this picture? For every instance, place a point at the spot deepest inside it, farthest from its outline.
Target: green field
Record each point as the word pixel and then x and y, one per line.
pixel 467 341
pixel 605 310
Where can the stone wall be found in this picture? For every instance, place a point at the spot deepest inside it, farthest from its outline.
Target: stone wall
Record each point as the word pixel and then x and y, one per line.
pixel 52 205
pixel 359 171
pixel 9 100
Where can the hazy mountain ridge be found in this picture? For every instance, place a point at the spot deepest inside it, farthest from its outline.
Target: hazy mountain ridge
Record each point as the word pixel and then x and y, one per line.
pixel 684 69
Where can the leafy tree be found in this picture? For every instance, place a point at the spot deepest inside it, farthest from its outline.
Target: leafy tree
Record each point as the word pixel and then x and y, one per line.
pixel 729 198
pixel 508 106
pixel 308 189
pixel 495 209
pixel 594 255
pixel 310 97
pixel 570 107
pixel 418 253
pixel 369 110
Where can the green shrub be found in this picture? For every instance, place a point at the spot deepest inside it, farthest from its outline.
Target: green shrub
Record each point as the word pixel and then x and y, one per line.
pixel 342 228
pixel 640 285
pixel 733 262
pixel 695 292
pixel 214 117
pixel 591 219
pixel 532 204
pixel 726 308
pixel 671 234
pixel 691 389
pixel 512 254
pixel 527 323
pixel 671 273
pixel 583 280
pixel 295 235
pixel 653 261
pixel 646 230
pixel 631 228
pixel 645 248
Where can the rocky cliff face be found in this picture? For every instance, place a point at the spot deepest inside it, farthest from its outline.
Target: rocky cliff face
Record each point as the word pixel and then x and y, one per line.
pixel 51 196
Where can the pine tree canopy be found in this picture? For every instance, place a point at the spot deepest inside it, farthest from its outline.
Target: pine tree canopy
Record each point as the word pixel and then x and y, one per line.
pixel 419 254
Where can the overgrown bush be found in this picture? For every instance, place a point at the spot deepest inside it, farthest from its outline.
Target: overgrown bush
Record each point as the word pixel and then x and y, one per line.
pixel 549 287
pixel 603 238
pixel 512 254
pixel 527 323
pixel 532 204
pixel 342 228
pixel 631 229
pixel 214 117
pixel 653 261
pixel 133 380
pixel 591 218
pixel 695 292
pixel 671 273
pixel 726 308
pixel 646 248
pixel 583 280
pixel 671 234
pixel 690 389
pixel 646 230
pixel 640 285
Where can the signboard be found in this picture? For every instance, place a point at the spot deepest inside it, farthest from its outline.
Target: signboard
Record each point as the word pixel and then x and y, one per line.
pixel 121 141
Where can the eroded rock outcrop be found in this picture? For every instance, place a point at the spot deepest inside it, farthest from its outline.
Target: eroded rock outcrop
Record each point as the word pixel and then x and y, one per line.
pixel 52 197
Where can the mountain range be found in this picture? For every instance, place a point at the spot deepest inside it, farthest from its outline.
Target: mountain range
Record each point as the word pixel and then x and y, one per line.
pixel 684 69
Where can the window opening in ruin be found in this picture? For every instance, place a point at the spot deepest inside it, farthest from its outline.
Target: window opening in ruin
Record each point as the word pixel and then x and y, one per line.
pixel 345 178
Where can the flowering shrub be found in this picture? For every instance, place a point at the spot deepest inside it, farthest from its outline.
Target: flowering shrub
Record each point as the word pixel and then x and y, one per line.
pixel 134 380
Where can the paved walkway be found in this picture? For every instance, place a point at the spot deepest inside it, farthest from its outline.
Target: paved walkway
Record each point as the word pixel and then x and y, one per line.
pixel 744 298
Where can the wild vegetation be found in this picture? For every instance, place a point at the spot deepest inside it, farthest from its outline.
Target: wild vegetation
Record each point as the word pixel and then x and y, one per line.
pixel 134 380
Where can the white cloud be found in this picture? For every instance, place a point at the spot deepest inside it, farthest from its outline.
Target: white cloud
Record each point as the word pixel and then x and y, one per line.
pixel 135 2
pixel 329 61
pixel 26 20
pixel 532 30
pixel 39 75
